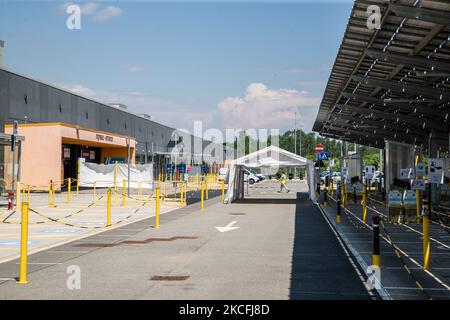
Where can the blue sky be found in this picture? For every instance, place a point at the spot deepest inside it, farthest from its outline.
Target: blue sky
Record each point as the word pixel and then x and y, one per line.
pixel 246 64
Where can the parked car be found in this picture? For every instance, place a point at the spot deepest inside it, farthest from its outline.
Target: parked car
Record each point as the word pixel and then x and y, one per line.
pixel 336 177
pixel 260 176
pixel 250 177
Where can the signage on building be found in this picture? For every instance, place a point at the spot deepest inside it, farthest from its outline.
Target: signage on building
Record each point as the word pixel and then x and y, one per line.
pixel 436 170
pixel 418 184
pixel 407 174
pixel 420 170
pixel 66 153
pixel 102 137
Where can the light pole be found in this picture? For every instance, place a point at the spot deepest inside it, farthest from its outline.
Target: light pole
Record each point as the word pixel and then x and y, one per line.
pixel 295 140
pixel 295 133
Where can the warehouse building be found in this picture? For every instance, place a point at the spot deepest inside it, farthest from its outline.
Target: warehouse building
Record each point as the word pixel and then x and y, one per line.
pixel 59 126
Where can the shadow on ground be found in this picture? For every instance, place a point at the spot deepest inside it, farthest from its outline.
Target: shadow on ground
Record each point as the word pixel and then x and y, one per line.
pixel 320 268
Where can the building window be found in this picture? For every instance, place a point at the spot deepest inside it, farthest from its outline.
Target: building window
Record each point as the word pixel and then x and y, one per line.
pixel 60 108
pixel 125 125
pixel 107 120
pixel 87 115
pixel 25 98
pixel 140 130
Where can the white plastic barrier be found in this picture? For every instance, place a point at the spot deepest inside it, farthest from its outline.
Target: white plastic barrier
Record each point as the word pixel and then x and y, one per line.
pixel 104 175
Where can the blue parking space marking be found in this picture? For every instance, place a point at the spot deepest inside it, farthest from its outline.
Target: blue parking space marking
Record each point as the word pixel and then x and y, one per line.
pixel 85 223
pixel 15 243
pixel 53 231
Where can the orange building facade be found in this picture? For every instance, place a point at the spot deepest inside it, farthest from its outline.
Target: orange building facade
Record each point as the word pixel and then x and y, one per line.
pixel 50 151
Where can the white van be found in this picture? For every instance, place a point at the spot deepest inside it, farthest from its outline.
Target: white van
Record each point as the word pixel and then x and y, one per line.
pixel 250 177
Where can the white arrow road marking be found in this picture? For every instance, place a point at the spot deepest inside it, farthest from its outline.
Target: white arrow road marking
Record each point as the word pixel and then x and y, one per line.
pixel 228 227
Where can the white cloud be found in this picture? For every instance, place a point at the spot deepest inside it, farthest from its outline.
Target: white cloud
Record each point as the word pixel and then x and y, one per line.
pixel 108 13
pixel 177 114
pixel 80 90
pixel 89 8
pixel 133 68
pixel 262 107
pixel 99 12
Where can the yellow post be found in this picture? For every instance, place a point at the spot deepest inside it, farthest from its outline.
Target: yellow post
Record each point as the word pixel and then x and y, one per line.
pixel 69 186
pixel 124 192
pixel 108 208
pixel 206 189
pixel 364 203
pixel 345 194
pixel 53 194
pixel 94 198
pixel 18 204
pixel 223 191
pixel 24 245
pixel 78 176
pixel 116 168
pixel 418 205
pixel 202 197
pixel 426 242
pixel 49 195
pixel 158 195
pixel 139 188
pixel 181 194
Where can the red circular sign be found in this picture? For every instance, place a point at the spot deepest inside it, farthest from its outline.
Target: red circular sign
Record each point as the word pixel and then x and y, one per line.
pixel 320 148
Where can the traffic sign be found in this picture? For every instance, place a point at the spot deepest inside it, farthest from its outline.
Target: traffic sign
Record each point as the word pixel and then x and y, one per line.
pixel 322 156
pixel 319 148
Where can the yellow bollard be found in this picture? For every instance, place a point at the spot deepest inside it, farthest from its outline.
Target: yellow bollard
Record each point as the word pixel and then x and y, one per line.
pixel 202 197
pixel 116 168
pixel 108 208
pixel 223 191
pixel 206 189
pixel 51 196
pixel 158 194
pixel 78 177
pixel 418 205
pixel 364 203
pixel 124 192
pixel 426 242
pixel 181 194
pixel 24 245
pixel 69 186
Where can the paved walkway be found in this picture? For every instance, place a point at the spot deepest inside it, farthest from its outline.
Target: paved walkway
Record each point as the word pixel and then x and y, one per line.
pixel 278 247
pixel 401 249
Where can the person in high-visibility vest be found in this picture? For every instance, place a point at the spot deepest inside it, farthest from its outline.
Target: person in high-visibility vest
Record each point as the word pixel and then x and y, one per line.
pixel 283 183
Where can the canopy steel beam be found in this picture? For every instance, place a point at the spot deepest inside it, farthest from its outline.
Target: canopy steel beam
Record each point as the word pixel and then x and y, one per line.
pixel 429 15
pixel 407 106
pixel 377 132
pixel 413 61
pixel 438 94
pixel 418 122
pixel 383 124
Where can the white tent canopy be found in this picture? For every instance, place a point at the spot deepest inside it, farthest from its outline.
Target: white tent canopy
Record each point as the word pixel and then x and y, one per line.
pixel 271 158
